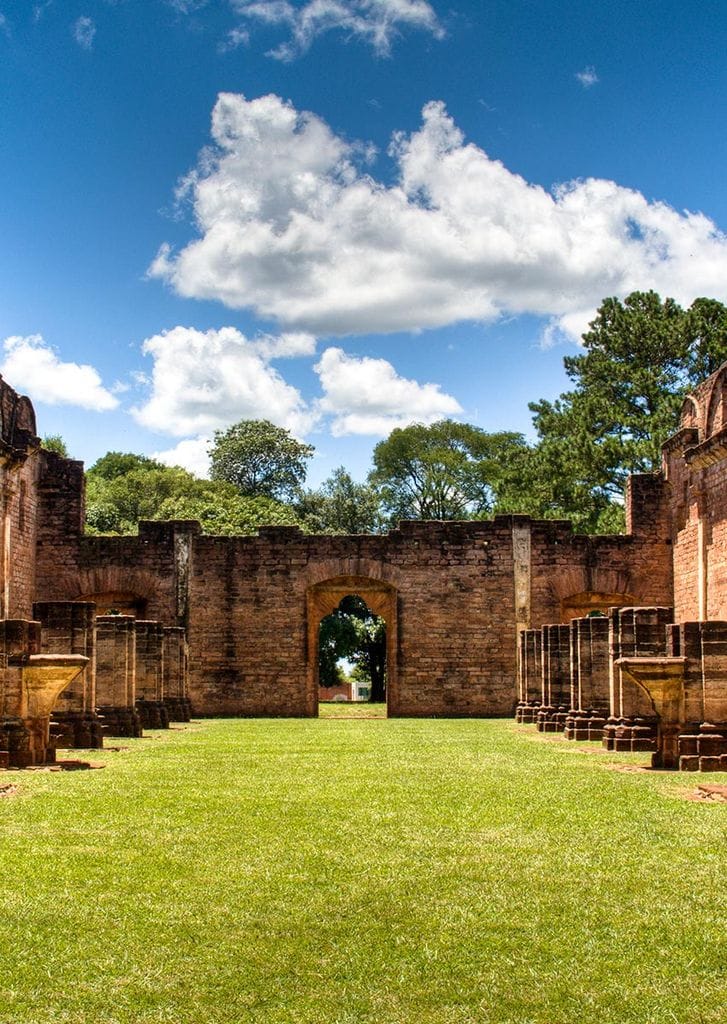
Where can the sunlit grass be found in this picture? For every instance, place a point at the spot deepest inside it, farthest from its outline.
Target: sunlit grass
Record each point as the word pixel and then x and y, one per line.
pixel 351 709
pixel 343 871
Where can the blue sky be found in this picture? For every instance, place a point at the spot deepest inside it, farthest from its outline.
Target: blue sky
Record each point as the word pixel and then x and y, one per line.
pixel 341 215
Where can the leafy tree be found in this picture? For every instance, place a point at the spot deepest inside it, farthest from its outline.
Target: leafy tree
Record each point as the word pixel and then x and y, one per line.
pixel 115 464
pixel 353 632
pixel 260 459
pixel 640 358
pixel 227 514
pixel 55 443
pixel 340 505
pixel 122 488
pixel 446 470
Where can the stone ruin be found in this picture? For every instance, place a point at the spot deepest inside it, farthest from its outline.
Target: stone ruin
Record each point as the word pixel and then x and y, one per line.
pixel 620 639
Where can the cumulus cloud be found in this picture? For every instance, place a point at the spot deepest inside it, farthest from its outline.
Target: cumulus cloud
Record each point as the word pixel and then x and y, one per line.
pixel 367 396
pixel 203 381
pixel 587 77
pixel 292 227
pixel 375 21
pixel 84 31
pixel 33 366
pixel 191 454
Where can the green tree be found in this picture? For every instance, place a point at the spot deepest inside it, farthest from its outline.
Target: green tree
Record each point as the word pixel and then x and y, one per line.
pixel 340 505
pixel 55 443
pixel 227 514
pixel 640 358
pixel 122 488
pixel 354 632
pixel 446 470
pixel 260 459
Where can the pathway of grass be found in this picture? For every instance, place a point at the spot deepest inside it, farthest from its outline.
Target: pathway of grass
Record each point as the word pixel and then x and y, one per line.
pixel 360 872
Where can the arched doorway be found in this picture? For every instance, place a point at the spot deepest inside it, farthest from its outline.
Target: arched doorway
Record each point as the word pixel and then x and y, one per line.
pixel 352 654
pixel 324 598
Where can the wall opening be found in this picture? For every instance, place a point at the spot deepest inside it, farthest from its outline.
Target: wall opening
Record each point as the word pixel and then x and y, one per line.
pixel 373 603
pixel 352 654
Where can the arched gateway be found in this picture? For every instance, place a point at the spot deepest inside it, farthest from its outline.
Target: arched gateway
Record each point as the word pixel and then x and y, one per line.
pixel 323 598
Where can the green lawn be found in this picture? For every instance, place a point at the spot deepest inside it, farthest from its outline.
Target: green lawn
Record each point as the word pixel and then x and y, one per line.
pixel 342 871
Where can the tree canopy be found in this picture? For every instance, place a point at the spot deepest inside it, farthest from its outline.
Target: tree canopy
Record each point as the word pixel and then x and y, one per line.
pixel 447 470
pixel 260 459
pixel 122 488
pixel 340 505
pixel 641 356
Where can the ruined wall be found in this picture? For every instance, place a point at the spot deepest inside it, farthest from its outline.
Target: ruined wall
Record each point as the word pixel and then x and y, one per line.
pixel 455 595
pixel 19 472
pixel 695 466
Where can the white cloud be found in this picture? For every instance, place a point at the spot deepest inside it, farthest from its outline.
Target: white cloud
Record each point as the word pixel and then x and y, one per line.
pixel 203 381
pixel 376 21
pixel 235 37
pixel 191 454
pixel 587 77
pixel 40 9
pixel 293 229
pixel 367 396
pixel 84 31
pixel 33 366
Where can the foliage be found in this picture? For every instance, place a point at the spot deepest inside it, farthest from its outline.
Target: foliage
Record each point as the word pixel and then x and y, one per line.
pixel 447 470
pixel 353 632
pixel 260 459
pixel 122 488
pixel 339 870
pixel 55 443
pixel 640 358
pixel 340 505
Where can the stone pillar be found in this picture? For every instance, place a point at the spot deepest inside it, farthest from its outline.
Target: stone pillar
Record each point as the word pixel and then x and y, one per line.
pixel 19 638
pixel 633 633
pixel 176 699
pixel 703 742
pixel 556 678
pixel 67 627
pixel 530 675
pixel 30 683
pixel 589 678
pixel 116 675
pixel 150 674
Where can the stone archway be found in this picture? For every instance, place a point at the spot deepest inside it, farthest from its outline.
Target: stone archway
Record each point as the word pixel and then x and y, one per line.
pixel 323 598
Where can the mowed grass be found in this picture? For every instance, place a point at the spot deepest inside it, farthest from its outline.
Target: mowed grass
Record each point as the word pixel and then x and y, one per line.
pixel 347 871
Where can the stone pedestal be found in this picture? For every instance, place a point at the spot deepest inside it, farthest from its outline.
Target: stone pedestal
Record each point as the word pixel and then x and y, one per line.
pixel 150 674
pixel 116 675
pixel 67 627
pixel 30 683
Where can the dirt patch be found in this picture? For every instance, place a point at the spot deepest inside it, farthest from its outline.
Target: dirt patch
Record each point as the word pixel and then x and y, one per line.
pixel 712 794
pixel 7 789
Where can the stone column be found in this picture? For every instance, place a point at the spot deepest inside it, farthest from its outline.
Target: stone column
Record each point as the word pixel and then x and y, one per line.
pixel 530 674
pixel 116 675
pixel 633 633
pixel 175 674
pixel 67 627
pixel 150 674
pixel 30 683
pixel 589 678
pixel 556 678
pixel 19 638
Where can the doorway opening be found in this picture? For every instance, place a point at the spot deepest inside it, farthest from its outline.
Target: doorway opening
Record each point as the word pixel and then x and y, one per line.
pixel 352 656
pixel 352 648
